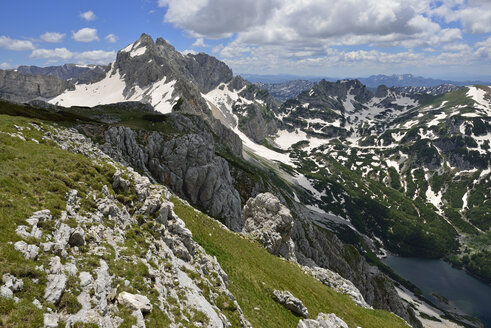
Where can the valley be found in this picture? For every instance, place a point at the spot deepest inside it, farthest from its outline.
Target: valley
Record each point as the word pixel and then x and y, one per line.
pixel 364 174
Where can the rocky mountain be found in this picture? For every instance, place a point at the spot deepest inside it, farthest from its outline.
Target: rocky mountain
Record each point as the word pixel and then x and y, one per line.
pixel 434 90
pixel 110 248
pixel 18 87
pixel 286 90
pixel 328 181
pixel 69 72
pixel 409 80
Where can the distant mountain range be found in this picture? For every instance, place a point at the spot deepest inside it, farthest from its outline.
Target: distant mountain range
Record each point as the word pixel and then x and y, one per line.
pixel 373 81
pixel 409 80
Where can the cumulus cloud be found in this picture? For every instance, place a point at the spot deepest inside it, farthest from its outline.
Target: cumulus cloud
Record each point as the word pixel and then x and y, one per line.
pixel 307 21
pixel 474 15
pixel 217 18
pixel 88 15
pixel 111 38
pixel 63 54
pixel 5 65
pixel 95 57
pixel 85 34
pixel 58 53
pixel 53 37
pixel 13 44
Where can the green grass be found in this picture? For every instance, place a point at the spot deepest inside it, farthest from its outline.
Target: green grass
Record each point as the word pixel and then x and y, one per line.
pixel 34 177
pixel 254 274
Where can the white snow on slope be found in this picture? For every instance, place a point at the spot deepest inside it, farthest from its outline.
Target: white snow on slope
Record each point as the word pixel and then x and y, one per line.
pixel 106 91
pixel 138 52
pixel 222 98
pixel 478 95
pixel 110 90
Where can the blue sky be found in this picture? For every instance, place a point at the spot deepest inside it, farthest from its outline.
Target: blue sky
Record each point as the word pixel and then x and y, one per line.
pixel 432 38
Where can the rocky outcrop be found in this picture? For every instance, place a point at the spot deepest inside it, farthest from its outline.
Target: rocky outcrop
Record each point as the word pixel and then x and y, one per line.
pixel 290 302
pixel 187 164
pixel 135 302
pixel 323 321
pixel 145 261
pixel 207 71
pixel 317 246
pixel 266 220
pixel 18 87
pixel 72 72
pixel 338 283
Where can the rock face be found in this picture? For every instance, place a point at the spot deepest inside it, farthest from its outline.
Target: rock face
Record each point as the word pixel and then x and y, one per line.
pixel 265 219
pixel 323 321
pixel 187 164
pixel 290 302
pixel 135 302
pixel 72 72
pixel 18 87
pixel 318 247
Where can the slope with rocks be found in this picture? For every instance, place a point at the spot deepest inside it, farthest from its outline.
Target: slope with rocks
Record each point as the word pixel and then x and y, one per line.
pixel 109 249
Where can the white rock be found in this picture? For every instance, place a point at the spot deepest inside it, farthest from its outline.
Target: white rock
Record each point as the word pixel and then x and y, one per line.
pixel 135 302
pixel 50 320
pixel 55 287
pixel 22 231
pixel 6 292
pixel 12 282
pixel 55 266
pixel 30 251
pixel 140 321
pixel 290 302
pixel 323 321
pixel 37 303
pixel 85 279
pixel 270 222
pixel 71 269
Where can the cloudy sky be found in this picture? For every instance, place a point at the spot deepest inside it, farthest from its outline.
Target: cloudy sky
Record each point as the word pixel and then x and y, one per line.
pixel 331 38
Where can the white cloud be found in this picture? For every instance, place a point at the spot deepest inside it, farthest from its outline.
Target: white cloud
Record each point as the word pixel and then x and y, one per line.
pixel 63 54
pixel 189 51
pixel 474 15
pixel 13 44
pixel 53 37
pixel 5 65
pixel 199 43
pixel 95 57
pixel 111 38
pixel 58 53
pixel 217 18
pixel 85 34
pixel 88 15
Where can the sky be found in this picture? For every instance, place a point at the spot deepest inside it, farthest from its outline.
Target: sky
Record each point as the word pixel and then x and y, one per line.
pixel 448 39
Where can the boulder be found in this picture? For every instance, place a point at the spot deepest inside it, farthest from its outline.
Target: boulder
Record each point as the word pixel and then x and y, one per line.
pixel 11 282
pixel 50 320
pixel 290 302
pixel 135 302
pixel 323 321
pixel 77 238
pixel 55 287
pixel 85 279
pixel 268 221
pixel 30 251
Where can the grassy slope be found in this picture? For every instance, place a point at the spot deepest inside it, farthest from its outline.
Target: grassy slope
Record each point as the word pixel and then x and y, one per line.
pixel 32 177
pixel 254 274
pixel 37 176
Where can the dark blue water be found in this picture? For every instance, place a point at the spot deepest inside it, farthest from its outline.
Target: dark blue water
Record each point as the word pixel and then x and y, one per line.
pixel 467 293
